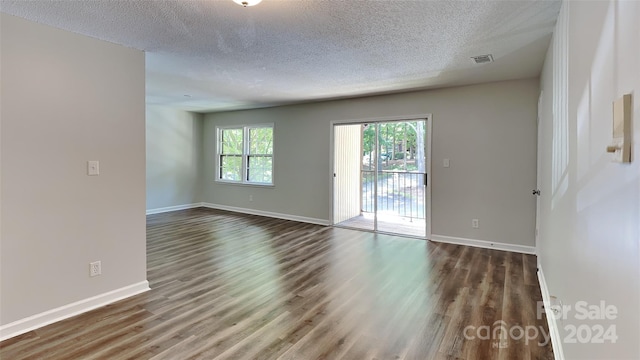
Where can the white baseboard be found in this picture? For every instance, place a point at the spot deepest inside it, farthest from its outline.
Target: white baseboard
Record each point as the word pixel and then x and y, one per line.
pixel 554 332
pixel 484 244
pixel 268 214
pixel 173 208
pixel 54 315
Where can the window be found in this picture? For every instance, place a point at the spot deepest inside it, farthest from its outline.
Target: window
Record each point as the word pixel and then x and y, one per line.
pixel 245 154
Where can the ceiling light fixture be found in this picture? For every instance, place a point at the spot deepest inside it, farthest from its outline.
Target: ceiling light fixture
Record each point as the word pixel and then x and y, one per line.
pixel 246 3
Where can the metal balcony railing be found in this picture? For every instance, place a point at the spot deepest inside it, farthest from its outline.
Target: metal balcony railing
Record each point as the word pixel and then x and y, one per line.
pixel 399 193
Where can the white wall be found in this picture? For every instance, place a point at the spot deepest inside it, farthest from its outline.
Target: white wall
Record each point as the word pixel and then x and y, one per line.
pixel 488 131
pixel 590 214
pixel 174 157
pixel 67 99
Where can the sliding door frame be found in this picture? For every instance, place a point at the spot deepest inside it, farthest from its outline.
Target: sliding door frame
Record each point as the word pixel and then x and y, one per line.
pixel 428 118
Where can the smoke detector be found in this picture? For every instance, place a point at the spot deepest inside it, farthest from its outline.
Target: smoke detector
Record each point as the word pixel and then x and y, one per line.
pixel 482 59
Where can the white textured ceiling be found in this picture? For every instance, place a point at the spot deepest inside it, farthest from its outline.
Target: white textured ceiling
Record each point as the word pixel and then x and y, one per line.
pixel 228 57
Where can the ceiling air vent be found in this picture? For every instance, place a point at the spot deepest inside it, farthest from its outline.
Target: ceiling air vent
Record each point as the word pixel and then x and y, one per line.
pixel 482 59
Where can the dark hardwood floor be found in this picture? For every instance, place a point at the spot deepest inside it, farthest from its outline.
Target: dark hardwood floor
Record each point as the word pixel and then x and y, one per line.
pixel 230 286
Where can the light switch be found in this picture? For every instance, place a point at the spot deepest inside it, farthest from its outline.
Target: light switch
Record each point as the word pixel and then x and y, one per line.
pixel 445 162
pixel 93 168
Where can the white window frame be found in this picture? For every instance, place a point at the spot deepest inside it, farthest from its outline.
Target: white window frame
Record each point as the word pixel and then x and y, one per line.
pixel 245 154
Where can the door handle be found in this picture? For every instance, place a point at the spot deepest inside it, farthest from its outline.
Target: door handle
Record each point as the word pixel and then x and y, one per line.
pixel 536 192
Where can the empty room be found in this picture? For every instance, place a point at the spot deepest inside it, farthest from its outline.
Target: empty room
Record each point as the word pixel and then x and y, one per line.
pixel 319 179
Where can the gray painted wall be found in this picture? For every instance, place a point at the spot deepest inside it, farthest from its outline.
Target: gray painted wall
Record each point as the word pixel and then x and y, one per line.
pixel 589 244
pixel 66 99
pixel 488 132
pixel 174 157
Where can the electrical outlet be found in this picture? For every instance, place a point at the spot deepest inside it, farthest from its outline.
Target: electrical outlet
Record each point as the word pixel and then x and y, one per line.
pixel 475 223
pixel 95 268
pixel 250 197
pixel 93 168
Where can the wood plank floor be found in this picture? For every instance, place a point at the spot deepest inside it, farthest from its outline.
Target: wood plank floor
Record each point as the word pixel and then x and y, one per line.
pixel 230 286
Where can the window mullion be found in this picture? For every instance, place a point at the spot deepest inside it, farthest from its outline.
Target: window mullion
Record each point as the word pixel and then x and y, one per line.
pixel 245 155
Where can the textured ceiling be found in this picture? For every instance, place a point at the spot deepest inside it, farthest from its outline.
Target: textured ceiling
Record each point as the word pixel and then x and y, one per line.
pixel 226 57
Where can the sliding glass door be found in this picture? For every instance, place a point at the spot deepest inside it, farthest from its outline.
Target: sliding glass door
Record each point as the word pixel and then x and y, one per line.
pixel 388 191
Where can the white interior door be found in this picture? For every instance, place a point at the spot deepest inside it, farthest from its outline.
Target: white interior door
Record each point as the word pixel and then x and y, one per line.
pixel 537 191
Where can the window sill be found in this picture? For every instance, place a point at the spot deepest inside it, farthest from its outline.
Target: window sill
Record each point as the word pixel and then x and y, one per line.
pixel 244 184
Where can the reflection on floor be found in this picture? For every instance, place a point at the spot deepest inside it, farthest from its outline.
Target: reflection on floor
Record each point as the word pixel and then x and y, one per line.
pixel 389 223
pixel 232 286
